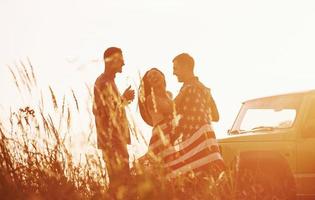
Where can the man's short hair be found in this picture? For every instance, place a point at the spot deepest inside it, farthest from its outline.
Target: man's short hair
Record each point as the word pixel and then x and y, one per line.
pixel 185 59
pixel 111 51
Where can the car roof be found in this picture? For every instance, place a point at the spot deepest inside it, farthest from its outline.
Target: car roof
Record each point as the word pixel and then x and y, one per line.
pixel 299 93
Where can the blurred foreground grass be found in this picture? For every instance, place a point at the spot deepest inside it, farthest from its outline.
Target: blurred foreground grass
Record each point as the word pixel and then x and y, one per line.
pixel 37 160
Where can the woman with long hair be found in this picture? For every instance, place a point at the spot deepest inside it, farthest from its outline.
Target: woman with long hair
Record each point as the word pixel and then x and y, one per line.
pixel 157 110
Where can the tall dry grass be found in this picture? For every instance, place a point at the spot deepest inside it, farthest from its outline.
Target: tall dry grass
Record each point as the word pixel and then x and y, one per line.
pixel 37 162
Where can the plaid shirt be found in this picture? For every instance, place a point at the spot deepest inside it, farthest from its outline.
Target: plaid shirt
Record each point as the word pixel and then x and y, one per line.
pixel 110 115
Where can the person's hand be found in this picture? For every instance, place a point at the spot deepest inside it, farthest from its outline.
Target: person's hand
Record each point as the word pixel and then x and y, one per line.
pixel 169 94
pixel 129 94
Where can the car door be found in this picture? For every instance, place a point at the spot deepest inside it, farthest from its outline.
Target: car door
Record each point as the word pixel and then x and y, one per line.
pixel 305 177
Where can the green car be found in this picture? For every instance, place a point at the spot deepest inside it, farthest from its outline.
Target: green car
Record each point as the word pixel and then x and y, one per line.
pixel 272 146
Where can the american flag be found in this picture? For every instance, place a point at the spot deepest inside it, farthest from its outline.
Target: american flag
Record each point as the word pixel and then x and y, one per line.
pixel 195 153
pixel 195 148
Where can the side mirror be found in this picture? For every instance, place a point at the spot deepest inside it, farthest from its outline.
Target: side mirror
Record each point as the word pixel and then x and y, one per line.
pixel 233 132
pixel 309 129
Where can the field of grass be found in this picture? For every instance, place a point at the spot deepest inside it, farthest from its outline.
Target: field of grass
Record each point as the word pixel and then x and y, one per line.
pixel 37 161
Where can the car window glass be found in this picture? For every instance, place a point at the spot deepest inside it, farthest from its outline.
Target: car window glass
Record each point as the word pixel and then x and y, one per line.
pixel 283 118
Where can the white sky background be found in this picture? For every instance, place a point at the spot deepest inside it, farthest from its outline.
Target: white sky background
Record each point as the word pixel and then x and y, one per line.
pixel 242 49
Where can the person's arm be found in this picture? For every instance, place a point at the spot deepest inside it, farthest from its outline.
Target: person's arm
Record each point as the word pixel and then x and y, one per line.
pixel 159 105
pixel 180 97
pixel 213 107
pixel 95 101
pixel 94 108
pixel 214 110
pixel 180 109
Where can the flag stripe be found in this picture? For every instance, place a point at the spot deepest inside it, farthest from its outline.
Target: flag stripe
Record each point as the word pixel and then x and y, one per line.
pixel 187 142
pixel 197 152
pixel 156 131
pixel 196 164
pixel 201 151
pixel 208 136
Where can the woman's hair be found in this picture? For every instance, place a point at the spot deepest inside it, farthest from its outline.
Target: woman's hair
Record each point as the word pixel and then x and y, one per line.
pixel 144 92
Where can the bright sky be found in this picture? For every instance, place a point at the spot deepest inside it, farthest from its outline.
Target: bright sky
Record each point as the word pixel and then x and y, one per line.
pixel 242 49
